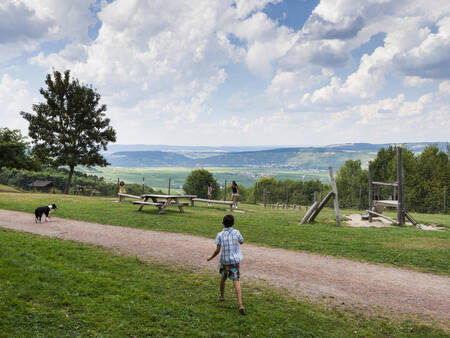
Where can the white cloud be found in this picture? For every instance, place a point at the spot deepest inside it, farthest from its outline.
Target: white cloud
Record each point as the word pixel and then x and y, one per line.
pixel 416 81
pixel 430 58
pixel 25 24
pixel 159 65
pixel 14 98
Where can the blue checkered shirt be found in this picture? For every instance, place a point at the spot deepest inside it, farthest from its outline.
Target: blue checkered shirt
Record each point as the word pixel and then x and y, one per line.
pixel 229 240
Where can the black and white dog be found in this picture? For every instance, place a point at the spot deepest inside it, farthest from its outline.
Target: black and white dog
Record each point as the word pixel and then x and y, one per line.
pixel 43 211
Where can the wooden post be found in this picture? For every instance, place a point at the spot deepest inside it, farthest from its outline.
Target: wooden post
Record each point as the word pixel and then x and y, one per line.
pixel 265 197
pixel 309 213
pixel 370 192
pixel 400 206
pixel 320 206
pixel 316 196
pixel 256 191
pixel 225 191
pixel 336 202
pixel 143 185
pixel 403 197
pixel 169 185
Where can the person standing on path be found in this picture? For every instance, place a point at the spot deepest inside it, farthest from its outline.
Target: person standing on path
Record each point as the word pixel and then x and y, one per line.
pixel 228 241
pixel 234 193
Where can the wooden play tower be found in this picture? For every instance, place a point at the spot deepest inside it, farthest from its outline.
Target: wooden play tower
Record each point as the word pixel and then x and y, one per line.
pixel 376 206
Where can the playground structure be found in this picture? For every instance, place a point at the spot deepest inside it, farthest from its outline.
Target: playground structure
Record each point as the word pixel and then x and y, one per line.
pixel 315 209
pixel 376 206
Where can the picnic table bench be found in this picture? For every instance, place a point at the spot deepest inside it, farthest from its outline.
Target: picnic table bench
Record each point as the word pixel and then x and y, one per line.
pixel 230 203
pixel 163 201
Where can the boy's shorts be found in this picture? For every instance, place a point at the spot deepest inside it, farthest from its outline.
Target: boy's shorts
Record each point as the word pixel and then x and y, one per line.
pixel 230 271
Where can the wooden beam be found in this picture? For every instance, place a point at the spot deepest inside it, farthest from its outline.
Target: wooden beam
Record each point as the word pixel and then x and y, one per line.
pixel 321 205
pixel 400 208
pixel 309 213
pixel 391 184
pixel 386 203
pixel 370 192
pixel 412 220
pixel 380 215
pixel 212 201
pixel 126 195
pixel 336 203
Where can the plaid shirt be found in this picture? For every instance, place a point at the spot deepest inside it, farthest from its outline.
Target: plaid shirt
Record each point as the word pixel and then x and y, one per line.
pixel 229 240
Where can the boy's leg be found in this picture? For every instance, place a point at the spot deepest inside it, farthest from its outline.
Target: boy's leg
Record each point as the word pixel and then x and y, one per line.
pixel 237 287
pixel 222 287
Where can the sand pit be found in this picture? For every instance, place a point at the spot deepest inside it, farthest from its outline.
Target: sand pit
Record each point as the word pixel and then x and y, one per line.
pixel 356 221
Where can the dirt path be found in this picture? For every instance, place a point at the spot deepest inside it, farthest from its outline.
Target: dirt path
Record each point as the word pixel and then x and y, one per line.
pixel 344 281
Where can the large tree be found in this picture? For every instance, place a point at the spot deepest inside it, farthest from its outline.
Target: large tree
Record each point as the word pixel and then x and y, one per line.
pixel 14 151
pixel 69 128
pixel 197 183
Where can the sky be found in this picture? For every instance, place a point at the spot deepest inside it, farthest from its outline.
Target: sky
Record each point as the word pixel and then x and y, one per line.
pixel 238 72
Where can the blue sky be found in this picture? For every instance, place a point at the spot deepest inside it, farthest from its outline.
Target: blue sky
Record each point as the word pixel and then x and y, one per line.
pixel 233 72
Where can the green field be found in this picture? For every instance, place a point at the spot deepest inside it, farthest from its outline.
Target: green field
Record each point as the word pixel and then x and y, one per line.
pixel 409 247
pixel 7 188
pixel 159 177
pixel 55 288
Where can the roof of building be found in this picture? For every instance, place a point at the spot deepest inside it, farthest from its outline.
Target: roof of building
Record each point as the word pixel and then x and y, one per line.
pixel 40 184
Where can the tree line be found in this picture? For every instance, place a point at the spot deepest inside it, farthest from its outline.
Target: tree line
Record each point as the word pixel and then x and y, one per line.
pixel 427 179
pixel 277 191
pixel 81 183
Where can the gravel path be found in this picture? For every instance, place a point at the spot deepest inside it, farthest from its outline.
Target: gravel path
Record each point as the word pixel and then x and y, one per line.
pixel 319 277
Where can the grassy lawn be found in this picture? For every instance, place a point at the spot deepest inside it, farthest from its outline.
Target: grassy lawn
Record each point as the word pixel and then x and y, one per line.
pixel 54 288
pixel 409 247
pixel 7 188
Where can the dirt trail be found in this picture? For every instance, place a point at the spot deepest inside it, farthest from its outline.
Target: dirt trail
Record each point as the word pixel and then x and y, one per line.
pixel 344 281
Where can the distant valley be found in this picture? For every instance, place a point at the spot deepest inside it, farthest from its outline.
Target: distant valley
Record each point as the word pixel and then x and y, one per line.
pixel 255 157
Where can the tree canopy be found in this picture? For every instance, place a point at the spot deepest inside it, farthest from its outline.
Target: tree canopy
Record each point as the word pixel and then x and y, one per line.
pixel 14 151
pixel 70 127
pixel 197 183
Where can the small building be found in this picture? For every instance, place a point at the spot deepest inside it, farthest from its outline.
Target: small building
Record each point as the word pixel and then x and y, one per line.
pixel 42 186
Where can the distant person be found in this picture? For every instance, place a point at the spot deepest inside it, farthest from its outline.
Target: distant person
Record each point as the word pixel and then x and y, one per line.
pixel 229 239
pixel 122 190
pixel 234 193
pixel 210 189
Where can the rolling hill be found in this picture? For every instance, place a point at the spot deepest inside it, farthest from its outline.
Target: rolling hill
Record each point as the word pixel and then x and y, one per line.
pixel 293 157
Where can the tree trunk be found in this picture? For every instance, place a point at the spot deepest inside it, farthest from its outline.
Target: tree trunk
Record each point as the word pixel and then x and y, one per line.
pixel 69 180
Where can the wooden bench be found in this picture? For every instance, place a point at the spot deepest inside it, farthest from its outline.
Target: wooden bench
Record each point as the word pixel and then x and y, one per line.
pixel 148 203
pixel 122 196
pixel 230 203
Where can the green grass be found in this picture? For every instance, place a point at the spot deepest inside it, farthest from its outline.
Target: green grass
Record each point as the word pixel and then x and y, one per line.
pixel 55 288
pixel 159 177
pixel 7 188
pixel 427 251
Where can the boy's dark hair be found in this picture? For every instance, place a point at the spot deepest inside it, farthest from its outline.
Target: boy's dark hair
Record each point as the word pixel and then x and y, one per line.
pixel 228 221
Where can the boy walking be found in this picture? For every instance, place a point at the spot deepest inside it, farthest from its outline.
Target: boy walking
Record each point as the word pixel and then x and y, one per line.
pixel 228 241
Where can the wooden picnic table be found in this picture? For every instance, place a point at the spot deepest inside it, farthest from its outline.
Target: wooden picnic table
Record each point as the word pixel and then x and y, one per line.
pixel 164 201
